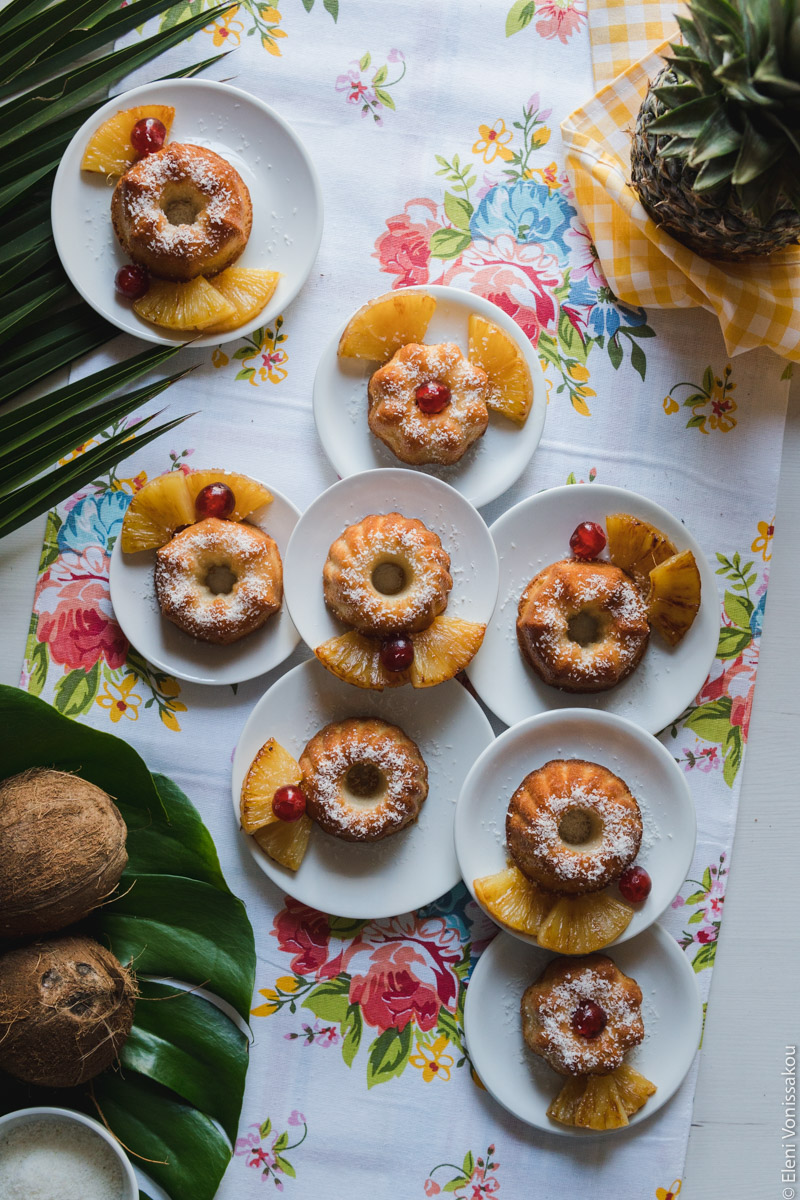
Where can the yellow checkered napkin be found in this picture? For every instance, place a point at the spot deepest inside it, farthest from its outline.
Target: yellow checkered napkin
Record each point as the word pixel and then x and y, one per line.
pixel 757 303
pixel 622 32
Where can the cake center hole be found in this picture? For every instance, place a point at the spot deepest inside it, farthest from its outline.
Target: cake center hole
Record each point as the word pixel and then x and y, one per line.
pixel 389 578
pixel 583 628
pixel 364 781
pixel 220 580
pixel 182 206
pixel 578 827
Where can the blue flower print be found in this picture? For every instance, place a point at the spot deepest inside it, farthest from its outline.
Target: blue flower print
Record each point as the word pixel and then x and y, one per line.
pixel 529 211
pixel 94 521
pixel 608 314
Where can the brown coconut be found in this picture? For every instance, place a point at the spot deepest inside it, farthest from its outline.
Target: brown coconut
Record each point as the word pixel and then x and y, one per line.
pixel 66 1008
pixel 62 851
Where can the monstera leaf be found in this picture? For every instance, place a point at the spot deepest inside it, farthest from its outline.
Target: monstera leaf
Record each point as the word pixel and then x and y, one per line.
pixel 182 1070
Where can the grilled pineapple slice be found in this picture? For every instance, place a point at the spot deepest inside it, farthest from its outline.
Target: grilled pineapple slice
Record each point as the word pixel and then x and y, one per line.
pixel 155 513
pixel 247 290
pixel 510 383
pixel 357 659
pixel 514 900
pixel 109 150
pixel 636 546
pixel 192 305
pixel 272 768
pixel 443 649
pixel 249 494
pixel 583 924
pixel 285 841
pixel 674 600
pixel 385 324
pixel 601 1101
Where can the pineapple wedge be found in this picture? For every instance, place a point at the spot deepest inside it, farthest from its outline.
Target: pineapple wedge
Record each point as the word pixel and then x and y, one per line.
pixel 155 513
pixel 636 546
pixel 443 649
pixel 385 324
pixel 192 305
pixel 674 600
pixel 583 924
pixel 249 494
pixel 357 659
pixel 272 768
pixel 510 383
pixel 285 841
pixel 601 1101
pixel 514 900
pixel 109 150
pixel 247 290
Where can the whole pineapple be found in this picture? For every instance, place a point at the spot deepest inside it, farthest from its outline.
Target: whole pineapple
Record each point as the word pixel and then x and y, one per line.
pixel 716 150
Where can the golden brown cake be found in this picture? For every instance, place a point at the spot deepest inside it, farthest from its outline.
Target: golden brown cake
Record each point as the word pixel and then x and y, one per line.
pixel 219 580
pixel 573 826
pixel 564 999
pixel 364 779
pixel 582 626
pixel 421 423
pixel 387 574
pixel 182 212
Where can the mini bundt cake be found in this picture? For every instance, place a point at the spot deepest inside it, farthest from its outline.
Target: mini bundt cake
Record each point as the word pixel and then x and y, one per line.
pixel 181 212
pixel 573 826
pixel 582 1015
pixel 582 626
pixel 219 580
pixel 387 574
pixel 428 403
pixel 364 779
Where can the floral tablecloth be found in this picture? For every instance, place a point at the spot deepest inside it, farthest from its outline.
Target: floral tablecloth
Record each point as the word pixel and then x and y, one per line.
pixel 435 131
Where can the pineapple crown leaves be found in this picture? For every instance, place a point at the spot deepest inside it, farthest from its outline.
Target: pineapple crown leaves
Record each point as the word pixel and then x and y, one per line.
pixel 731 100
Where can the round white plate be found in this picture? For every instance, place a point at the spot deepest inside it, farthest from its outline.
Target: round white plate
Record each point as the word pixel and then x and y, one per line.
pixel 464 535
pixel 136 608
pixel 264 149
pixel 523 1083
pixel 535 533
pixel 489 467
pixel 410 868
pixel 650 771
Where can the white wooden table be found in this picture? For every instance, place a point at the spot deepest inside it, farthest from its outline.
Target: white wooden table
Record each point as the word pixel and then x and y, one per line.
pixel 735 1148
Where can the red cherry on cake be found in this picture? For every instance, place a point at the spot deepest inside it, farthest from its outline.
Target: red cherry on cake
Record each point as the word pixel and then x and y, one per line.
pixel 289 803
pixel 588 540
pixel 397 653
pixel 589 1019
pixel 215 500
pixel 634 884
pixel 132 281
pixel 432 397
pixel 148 135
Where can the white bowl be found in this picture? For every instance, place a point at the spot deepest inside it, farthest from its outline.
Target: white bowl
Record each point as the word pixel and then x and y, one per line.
pixel 489 467
pixel 25 1116
pixel 253 138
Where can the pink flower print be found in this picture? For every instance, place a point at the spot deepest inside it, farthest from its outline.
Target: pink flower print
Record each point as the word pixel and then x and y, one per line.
pixel 706 934
pixel 559 19
pixel 533 106
pixel 431 1187
pixel 261 1158
pixel 248 1141
pixel 404 250
pixel 584 261
pixel 296 1118
pixel 519 278
pixel 396 56
pixel 75 615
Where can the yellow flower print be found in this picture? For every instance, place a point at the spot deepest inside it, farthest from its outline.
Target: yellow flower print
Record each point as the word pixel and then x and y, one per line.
pixel 219 358
pixel 669 1193
pixel 168 714
pixel 762 543
pixel 68 458
pixel 227 31
pixel 711 403
pixel 131 485
pixel 670 405
pixel 493 143
pixel 579 372
pixel 266 1010
pixel 432 1060
pixel 120 700
pixel 540 137
pixel 267 347
pixel 548 175
pixel 287 983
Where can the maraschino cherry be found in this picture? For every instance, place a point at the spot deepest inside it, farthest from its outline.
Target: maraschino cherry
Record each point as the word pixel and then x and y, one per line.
pixel 132 281
pixel 397 653
pixel 215 500
pixel 634 884
pixel 289 802
pixel 148 135
pixel 432 397
pixel 589 1019
pixel 588 540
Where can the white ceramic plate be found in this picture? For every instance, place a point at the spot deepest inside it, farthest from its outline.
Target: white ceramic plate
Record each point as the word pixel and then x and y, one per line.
pixel 164 645
pixel 535 533
pixel 264 149
pixel 465 537
pixel 523 1083
pixel 489 467
pixel 410 868
pixel 650 771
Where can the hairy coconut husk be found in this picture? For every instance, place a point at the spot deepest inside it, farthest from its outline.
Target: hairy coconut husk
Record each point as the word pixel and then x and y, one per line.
pixel 62 851
pixel 66 1008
